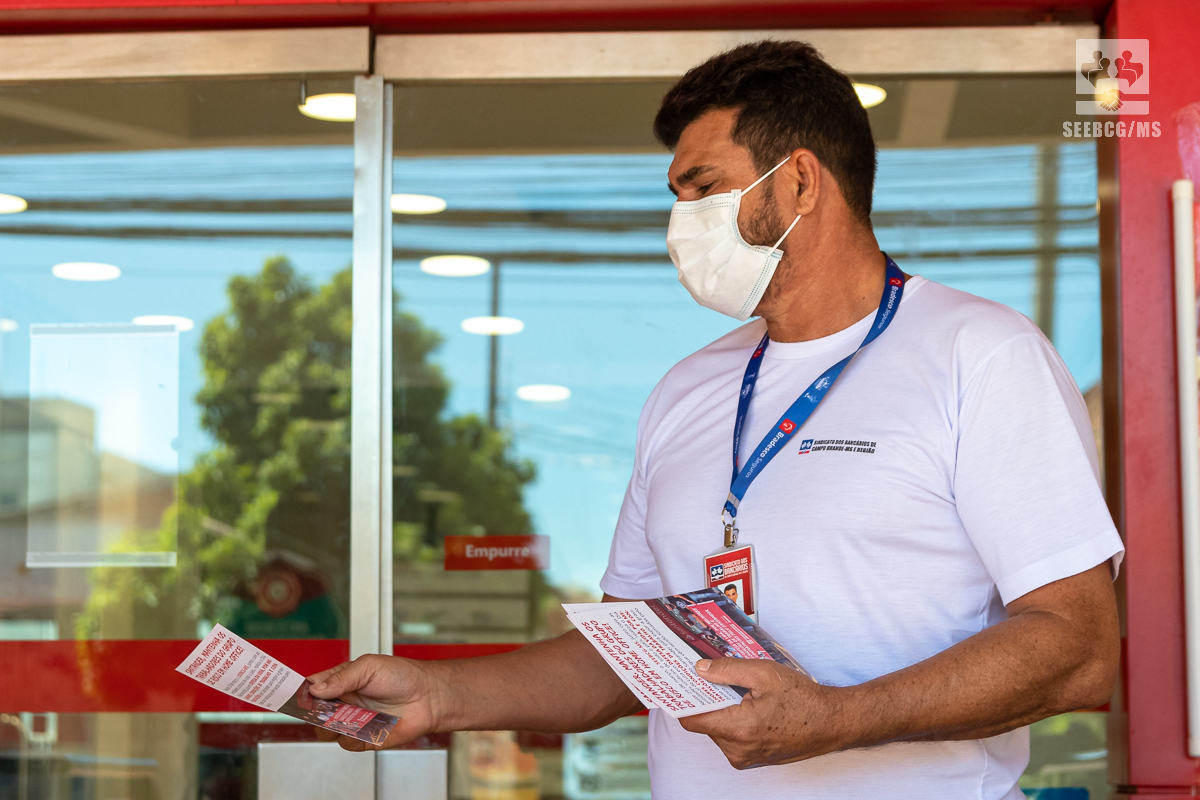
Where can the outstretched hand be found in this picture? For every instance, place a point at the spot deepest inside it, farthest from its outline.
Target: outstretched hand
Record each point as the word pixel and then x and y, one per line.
pixel 784 717
pixel 396 686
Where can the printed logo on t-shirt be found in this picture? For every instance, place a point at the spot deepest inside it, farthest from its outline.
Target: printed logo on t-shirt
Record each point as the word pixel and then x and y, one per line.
pixel 787 426
pixel 837 445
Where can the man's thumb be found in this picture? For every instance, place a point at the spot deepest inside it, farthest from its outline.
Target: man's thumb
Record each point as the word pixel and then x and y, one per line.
pixel 340 680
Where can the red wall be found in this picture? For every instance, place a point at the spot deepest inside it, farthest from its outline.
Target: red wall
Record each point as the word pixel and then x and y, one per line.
pixel 1154 677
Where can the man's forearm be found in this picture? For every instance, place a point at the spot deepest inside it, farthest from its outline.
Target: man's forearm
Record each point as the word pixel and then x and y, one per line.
pixel 1024 669
pixel 557 686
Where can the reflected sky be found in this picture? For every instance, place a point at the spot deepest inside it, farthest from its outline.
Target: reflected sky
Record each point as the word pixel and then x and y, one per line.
pixel 579 244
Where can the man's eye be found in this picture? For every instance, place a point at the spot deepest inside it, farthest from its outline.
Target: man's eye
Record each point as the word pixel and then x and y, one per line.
pixel 705 189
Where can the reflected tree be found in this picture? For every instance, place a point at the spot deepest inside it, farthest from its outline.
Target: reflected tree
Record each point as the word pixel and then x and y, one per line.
pixel 262 520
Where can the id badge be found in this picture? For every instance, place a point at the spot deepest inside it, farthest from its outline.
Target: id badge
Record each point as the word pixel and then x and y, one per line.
pixel 732 570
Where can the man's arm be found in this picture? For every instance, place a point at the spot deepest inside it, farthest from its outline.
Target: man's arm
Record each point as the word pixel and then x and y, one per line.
pixel 560 685
pixel 1057 652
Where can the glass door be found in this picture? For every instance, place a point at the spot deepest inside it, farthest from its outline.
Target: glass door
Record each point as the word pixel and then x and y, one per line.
pixel 175 375
pixel 536 308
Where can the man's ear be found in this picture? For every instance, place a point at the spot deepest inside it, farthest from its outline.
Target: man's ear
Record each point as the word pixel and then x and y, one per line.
pixel 804 181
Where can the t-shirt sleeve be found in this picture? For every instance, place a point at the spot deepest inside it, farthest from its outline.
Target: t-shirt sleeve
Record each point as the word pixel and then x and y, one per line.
pixel 1026 478
pixel 632 573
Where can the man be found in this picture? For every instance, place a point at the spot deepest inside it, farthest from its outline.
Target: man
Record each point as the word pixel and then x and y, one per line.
pixel 947 579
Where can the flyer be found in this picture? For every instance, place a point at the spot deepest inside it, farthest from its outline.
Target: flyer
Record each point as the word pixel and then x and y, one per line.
pixel 653 646
pixel 230 664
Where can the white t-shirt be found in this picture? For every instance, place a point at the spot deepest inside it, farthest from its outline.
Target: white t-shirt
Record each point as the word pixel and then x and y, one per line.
pixel 980 484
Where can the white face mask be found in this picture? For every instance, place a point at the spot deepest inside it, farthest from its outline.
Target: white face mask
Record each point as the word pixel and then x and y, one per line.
pixel 716 265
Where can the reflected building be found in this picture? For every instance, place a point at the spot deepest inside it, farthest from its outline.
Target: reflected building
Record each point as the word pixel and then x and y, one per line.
pixel 60 494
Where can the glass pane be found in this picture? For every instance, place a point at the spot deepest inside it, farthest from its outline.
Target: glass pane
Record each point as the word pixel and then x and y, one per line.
pixel 174 416
pixel 521 370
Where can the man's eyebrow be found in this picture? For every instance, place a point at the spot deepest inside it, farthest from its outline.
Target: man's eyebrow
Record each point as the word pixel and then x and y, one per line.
pixel 688 176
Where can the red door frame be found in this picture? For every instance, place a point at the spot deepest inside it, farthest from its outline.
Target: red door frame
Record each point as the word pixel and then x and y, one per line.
pixel 468 16
pixel 1154 732
pixel 1148 741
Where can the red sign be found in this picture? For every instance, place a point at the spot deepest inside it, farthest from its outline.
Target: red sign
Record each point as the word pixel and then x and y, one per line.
pixel 497 552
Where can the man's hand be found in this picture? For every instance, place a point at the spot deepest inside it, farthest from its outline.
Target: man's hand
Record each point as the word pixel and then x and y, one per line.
pixel 1056 652
pixel 560 685
pixel 785 717
pixel 396 686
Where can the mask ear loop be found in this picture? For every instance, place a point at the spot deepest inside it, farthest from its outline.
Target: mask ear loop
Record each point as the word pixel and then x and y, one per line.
pixel 789 230
pixel 765 174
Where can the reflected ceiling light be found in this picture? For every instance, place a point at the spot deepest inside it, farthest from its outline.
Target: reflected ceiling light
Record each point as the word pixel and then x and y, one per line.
pixel 869 94
pixel 455 266
pixel 493 326
pixel 181 323
pixel 11 204
pixel 544 393
pixel 8 325
pixel 85 271
pixel 417 204
pixel 332 107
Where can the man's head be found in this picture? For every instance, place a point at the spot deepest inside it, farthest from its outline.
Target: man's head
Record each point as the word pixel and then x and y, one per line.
pixel 731 592
pixel 782 97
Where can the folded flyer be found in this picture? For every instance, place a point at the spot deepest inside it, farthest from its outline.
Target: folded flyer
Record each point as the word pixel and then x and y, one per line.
pixel 230 664
pixel 653 646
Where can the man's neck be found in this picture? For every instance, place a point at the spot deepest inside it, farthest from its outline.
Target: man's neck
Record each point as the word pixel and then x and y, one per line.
pixel 838 286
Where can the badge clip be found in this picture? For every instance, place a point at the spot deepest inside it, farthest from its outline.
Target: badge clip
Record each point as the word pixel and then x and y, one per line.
pixel 731 533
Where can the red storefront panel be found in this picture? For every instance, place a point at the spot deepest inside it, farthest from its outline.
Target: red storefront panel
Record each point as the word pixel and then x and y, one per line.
pixel 1146 167
pixel 139 676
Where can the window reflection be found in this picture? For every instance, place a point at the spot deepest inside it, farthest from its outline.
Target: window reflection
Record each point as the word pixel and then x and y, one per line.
pixel 223 206
pixel 174 380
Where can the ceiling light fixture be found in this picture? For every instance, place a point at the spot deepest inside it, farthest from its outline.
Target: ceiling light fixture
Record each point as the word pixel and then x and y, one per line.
pixel 455 266
pixel 181 323
pixel 544 393
pixel 493 326
pixel 11 204
pixel 332 107
pixel 869 94
pixel 85 271
pixel 8 325
pixel 417 204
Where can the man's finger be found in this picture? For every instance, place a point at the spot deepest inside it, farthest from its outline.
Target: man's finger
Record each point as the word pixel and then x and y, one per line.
pixel 746 672
pixel 708 722
pixel 352 744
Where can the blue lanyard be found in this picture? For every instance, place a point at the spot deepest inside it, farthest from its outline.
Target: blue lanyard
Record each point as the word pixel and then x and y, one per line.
pixel 799 411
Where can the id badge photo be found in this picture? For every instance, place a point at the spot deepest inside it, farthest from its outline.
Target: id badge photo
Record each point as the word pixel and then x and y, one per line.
pixel 732 570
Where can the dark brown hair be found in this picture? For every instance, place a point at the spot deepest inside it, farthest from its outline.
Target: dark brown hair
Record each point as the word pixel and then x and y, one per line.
pixel 787 97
